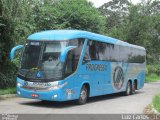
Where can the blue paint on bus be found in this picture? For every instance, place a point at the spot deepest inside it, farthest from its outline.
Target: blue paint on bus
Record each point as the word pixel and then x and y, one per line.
pixel 101 76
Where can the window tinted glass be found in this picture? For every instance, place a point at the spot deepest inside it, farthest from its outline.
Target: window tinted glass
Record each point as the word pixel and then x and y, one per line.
pixel 31 55
pixel 110 52
pixel 69 64
pixel 136 56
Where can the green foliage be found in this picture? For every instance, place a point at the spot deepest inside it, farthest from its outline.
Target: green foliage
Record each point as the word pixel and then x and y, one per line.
pixel 155 68
pixel 8 91
pixel 152 77
pixel 156 102
pixel 6 41
pixel 9 11
pixel 115 11
pixel 153 73
pixel 70 14
pixel 137 24
pixel 7 78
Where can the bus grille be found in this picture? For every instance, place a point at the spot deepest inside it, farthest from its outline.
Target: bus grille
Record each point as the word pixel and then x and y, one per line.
pixel 38 89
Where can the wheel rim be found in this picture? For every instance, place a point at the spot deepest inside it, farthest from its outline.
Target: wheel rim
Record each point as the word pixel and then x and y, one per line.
pixel 128 88
pixel 83 95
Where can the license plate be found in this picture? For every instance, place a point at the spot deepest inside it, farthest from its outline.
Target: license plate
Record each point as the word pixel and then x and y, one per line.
pixel 35 95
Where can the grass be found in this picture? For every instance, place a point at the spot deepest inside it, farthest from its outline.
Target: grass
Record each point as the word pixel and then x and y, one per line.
pixel 156 102
pixel 152 78
pixel 7 91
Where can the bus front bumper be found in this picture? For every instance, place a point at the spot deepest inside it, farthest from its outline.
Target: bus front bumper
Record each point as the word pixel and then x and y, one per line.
pixel 49 95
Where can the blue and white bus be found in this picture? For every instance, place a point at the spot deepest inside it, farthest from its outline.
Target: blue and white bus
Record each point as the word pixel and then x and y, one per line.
pixel 62 65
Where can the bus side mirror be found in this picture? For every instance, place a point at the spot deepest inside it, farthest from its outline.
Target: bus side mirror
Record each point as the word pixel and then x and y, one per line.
pixel 12 53
pixel 64 53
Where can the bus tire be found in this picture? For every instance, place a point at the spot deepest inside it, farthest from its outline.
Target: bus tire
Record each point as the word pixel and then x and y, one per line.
pixel 128 89
pixel 83 95
pixel 134 87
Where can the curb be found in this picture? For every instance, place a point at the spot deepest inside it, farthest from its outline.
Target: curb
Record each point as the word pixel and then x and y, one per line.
pixel 3 97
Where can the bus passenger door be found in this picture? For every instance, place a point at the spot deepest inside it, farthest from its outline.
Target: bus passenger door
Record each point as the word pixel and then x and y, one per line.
pixel 92 70
pixel 95 71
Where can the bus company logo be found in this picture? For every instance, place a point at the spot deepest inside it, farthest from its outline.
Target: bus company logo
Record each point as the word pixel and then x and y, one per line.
pixel 96 67
pixel 39 74
pixel 118 78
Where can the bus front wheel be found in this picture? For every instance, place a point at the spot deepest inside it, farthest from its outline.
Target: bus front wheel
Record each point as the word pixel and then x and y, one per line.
pixel 83 96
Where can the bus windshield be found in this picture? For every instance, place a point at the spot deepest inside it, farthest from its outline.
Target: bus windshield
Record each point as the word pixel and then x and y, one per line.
pixel 40 60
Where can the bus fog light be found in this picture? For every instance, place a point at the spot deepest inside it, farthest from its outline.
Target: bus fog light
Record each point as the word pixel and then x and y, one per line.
pixel 54 96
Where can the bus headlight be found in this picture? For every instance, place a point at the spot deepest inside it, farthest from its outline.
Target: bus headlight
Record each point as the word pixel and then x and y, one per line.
pixel 58 86
pixel 19 84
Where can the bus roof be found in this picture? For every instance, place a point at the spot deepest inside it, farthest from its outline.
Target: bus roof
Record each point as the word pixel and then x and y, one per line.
pixel 56 35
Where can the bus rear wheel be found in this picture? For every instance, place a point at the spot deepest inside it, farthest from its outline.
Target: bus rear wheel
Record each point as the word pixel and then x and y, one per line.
pixel 128 89
pixel 83 96
pixel 134 87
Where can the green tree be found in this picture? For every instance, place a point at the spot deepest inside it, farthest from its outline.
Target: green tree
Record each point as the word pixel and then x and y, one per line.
pixel 137 24
pixel 115 11
pixel 13 27
pixel 69 14
pixel 143 28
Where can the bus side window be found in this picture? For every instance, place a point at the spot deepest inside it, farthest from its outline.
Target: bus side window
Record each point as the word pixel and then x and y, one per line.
pixel 86 55
pixel 91 52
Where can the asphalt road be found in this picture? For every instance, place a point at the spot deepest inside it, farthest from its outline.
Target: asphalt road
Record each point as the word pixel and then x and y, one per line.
pixel 108 104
